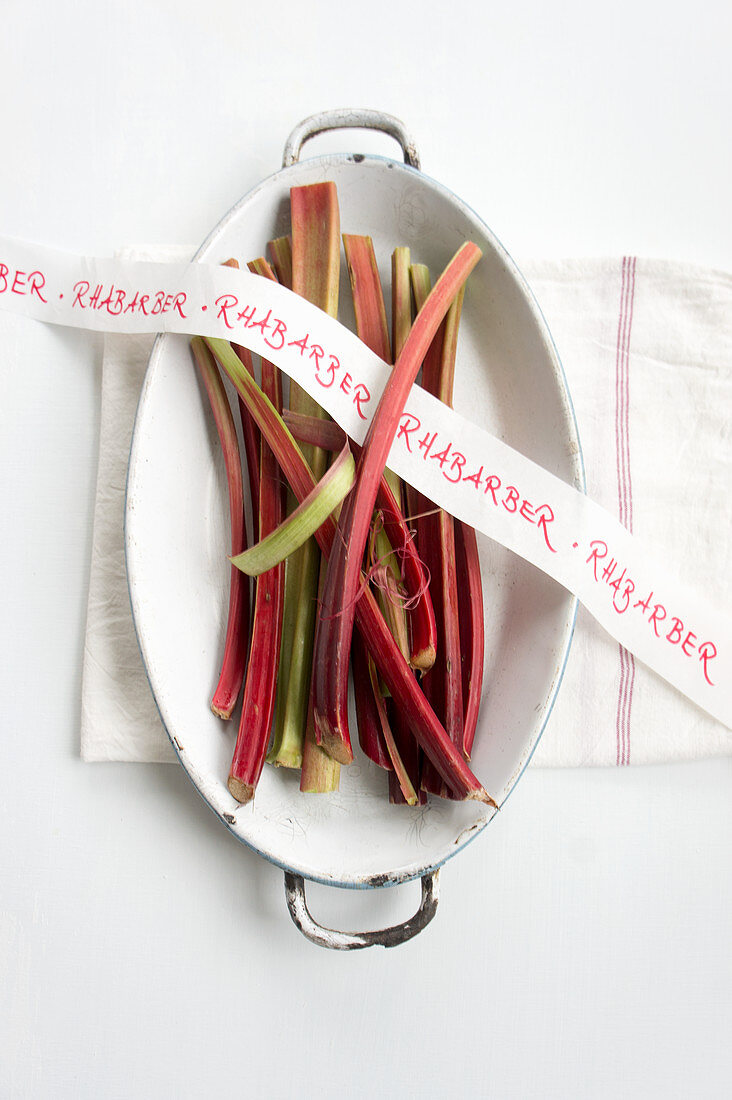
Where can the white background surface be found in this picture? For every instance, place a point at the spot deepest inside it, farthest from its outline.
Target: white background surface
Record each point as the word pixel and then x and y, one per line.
pixel 582 945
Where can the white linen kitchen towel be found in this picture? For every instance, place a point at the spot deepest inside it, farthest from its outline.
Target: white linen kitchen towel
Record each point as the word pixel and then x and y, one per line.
pixel 647 349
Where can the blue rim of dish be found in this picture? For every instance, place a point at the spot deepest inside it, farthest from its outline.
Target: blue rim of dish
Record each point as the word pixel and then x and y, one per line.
pixel 397 877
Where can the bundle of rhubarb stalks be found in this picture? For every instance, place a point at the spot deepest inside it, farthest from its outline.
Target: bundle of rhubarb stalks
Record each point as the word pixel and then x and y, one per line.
pixel 347 568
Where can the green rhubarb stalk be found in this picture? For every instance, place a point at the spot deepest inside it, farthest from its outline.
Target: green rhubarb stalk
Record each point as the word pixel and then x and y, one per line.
pixel 386 578
pixel 397 674
pixel 340 594
pixel 410 754
pixel 401 299
pixel 390 597
pixel 400 772
pixel 310 261
pixel 280 249
pixel 320 773
pixel 303 522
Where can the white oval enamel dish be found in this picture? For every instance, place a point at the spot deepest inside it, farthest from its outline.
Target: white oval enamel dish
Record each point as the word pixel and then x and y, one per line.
pixel 177 540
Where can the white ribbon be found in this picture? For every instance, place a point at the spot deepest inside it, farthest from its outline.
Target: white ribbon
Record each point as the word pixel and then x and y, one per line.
pixel 676 632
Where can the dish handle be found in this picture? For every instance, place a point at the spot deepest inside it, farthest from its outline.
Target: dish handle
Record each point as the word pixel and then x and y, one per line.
pixel 350 941
pixel 349 119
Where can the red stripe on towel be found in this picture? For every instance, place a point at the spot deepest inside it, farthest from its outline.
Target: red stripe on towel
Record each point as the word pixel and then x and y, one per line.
pixel 625 487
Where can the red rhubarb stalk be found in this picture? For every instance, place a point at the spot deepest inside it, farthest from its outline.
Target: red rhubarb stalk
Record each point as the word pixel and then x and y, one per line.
pixel 369 309
pixel 370 735
pixel 472 629
pixel 392 667
pixel 468 583
pixel 444 684
pixel 260 684
pixel 335 620
pixel 373 330
pixel 235 646
pixel 421 719
pixel 462 548
pixel 290 713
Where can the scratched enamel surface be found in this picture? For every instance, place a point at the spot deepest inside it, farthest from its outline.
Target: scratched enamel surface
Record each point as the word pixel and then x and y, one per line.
pixel 509 380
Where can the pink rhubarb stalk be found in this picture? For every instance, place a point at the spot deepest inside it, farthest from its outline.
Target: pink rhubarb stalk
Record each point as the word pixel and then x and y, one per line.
pixel 373 330
pixel 472 629
pixel 335 621
pixel 237 627
pixel 261 678
pixel 250 435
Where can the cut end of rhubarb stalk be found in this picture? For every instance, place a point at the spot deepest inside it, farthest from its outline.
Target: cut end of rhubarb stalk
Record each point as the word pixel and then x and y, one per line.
pixel 481 795
pixel 242 792
pixel 336 747
pixel 320 773
pixel 287 758
pixel 222 712
pixel 424 659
